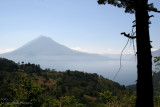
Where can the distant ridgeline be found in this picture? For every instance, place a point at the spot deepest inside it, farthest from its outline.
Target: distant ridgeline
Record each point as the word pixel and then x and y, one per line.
pixel 25 84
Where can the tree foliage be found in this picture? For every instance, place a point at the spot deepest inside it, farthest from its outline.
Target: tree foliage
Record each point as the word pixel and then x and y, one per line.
pixel 46 87
pixel 129 5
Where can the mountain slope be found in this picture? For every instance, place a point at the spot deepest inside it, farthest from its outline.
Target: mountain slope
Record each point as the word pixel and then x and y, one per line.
pixel 43 46
pixel 45 51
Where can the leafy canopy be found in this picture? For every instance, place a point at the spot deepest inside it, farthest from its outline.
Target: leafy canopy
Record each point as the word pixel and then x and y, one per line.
pixel 129 5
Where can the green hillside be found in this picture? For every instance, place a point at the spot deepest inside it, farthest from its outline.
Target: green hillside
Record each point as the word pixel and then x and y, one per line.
pixel 27 85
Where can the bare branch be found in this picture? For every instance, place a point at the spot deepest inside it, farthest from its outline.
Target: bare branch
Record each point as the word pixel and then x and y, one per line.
pixel 128 35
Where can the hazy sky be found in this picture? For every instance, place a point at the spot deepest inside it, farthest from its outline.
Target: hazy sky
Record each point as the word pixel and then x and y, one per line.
pixel 79 24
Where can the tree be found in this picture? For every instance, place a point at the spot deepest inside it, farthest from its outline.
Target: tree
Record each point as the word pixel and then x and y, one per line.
pixel 70 101
pixel 144 58
pixel 106 97
pixel 26 93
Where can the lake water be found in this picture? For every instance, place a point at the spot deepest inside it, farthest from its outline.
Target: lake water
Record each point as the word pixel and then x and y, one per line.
pixel 105 67
pixel 108 69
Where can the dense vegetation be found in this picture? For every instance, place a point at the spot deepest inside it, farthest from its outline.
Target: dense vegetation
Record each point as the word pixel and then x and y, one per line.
pixel 25 84
pixel 156 82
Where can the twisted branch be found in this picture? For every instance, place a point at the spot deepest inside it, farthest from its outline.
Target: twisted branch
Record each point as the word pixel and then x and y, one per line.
pixel 128 35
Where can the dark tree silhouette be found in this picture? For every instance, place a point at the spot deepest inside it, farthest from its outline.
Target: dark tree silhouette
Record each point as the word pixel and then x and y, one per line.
pixel 144 58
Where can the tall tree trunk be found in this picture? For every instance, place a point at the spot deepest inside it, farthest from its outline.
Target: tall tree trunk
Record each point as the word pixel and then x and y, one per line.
pixel 144 57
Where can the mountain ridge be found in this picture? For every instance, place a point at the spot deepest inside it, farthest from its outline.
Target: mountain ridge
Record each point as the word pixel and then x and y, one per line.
pixel 49 45
pixel 45 48
pixel 41 46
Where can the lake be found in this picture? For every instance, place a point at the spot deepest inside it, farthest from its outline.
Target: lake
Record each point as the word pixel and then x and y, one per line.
pixel 108 69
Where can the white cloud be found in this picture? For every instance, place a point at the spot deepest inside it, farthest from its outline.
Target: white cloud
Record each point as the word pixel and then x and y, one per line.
pixel 79 49
pixel 5 50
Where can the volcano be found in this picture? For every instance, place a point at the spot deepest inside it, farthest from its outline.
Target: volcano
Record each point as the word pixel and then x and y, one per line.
pixel 44 49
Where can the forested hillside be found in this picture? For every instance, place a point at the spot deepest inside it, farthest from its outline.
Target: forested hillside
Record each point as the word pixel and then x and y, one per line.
pixel 24 84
